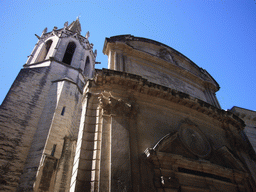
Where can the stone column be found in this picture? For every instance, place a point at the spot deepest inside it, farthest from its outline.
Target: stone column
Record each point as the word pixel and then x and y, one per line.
pixel 56 48
pixel 115 61
pixel 109 59
pixel 120 155
pixel 115 165
pixel 121 65
pixel 105 163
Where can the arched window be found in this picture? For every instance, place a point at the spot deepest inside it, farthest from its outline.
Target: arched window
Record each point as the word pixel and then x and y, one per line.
pixel 44 51
pixel 69 53
pixel 87 66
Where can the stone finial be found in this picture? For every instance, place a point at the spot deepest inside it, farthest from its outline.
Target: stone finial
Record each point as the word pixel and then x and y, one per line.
pixel 87 35
pixel 66 24
pixel 95 53
pixel 37 36
pixel 45 30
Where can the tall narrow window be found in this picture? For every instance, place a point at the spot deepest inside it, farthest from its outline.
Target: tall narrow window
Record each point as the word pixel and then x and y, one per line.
pixel 44 51
pixel 53 149
pixel 87 66
pixel 69 53
pixel 63 111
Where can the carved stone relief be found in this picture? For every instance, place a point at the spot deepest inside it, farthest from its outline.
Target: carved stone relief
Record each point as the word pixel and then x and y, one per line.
pixel 166 55
pixel 194 140
pixel 174 170
pixel 117 107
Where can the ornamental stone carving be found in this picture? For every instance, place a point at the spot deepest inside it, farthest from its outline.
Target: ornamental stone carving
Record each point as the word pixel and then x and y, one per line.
pixel 194 140
pixel 164 54
pixel 118 107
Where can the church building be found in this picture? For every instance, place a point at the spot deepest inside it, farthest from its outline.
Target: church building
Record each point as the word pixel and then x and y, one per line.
pixel 151 122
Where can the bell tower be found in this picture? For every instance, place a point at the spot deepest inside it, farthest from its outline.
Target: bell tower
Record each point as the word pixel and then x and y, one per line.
pixel 40 116
pixel 66 46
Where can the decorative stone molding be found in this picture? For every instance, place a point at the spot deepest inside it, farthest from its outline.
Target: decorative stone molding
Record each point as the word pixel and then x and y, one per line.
pixel 193 139
pixel 166 55
pixel 65 33
pixel 117 107
pixel 173 171
pixel 143 86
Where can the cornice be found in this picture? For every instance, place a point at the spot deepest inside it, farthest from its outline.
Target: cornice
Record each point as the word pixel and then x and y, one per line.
pixel 65 33
pixel 70 81
pixel 59 62
pixel 173 162
pixel 143 86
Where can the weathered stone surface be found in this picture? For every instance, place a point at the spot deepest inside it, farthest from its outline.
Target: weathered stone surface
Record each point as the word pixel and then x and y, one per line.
pixel 151 122
pixel 42 110
pixel 160 64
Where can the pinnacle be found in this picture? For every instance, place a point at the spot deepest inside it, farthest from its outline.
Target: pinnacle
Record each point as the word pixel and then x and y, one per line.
pixel 75 26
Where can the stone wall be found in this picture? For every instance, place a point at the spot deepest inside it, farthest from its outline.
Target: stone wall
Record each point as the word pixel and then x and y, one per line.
pixel 32 122
pixel 249 117
pixel 160 64
pixel 135 136
pixel 20 114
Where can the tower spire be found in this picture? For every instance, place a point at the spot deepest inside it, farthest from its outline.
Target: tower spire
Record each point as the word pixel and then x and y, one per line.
pixel 75 26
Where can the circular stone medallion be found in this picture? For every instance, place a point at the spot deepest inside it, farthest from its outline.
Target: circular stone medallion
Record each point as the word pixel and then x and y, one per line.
pixel 194 140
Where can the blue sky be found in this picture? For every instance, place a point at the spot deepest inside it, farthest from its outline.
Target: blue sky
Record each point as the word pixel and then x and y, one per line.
pixel 219 36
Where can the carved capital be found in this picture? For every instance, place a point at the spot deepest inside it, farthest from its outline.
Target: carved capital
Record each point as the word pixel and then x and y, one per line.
pixel 117 107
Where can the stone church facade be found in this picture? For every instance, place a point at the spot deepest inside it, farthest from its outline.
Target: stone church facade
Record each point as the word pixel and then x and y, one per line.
pixel 150 122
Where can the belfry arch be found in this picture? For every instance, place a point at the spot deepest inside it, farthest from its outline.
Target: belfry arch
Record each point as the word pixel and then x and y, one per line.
pixel 45 49
pixel 69 53
pixel 87 67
